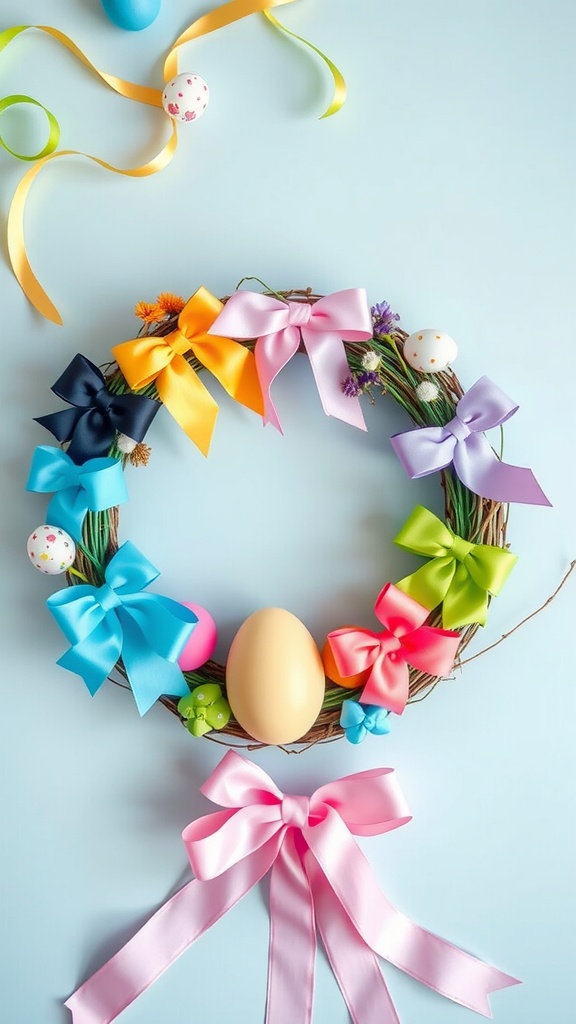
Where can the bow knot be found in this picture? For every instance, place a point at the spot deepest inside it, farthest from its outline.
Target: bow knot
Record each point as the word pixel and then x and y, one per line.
pixel 295 810
pixel 461 548
pixel 323 327
pixel 458 428
pixel 461 442
pixel 299 313
pixel 107 598
pixel 163 361
pixel 459 575
pixel 118 620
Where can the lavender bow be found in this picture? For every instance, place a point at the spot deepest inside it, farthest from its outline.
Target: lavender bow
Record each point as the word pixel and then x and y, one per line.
pixel 461 442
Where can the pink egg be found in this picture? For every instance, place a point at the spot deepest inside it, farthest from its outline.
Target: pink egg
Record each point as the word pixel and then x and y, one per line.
pixel 200 646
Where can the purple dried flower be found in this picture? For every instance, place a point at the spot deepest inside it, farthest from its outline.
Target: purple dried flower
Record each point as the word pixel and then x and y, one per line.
pixel 383 318
pixel 350 387
pixel 368 377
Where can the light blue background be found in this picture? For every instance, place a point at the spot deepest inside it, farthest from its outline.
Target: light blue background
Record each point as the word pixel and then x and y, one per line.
pixel 445 185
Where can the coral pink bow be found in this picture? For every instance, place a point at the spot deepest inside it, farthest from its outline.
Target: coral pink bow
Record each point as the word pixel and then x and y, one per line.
pixel 320 879
pixel 323 326
pixel 405 641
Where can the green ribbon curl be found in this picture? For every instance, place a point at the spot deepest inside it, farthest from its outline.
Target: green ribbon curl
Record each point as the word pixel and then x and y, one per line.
pixel 53 128
pixel 460 575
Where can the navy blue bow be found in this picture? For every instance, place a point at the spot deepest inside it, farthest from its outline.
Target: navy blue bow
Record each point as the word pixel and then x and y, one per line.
pixel 96 414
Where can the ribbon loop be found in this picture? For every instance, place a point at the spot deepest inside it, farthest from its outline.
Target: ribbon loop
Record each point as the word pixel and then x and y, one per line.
pixel 319 876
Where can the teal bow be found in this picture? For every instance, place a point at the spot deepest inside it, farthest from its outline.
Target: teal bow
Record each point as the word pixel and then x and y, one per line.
pixel 358 720
pixel 117 619
pixel 94 486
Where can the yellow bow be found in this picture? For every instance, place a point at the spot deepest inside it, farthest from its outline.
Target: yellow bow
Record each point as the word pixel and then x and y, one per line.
pixel 163 361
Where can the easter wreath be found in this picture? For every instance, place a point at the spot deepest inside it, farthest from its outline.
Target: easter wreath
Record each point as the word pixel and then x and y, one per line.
pixel 429 617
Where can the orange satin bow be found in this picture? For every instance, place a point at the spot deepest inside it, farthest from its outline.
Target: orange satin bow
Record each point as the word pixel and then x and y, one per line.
pixel 163 361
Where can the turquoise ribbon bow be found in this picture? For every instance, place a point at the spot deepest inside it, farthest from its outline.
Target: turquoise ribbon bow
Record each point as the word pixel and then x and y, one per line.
pixel 117 619
pixel 358 720
pixel 94 486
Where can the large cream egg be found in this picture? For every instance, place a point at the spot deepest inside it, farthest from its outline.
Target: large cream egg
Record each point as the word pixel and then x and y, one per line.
pixel 430 351
pixel 274 677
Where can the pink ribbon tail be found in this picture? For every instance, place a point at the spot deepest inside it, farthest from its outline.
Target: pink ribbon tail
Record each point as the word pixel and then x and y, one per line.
pixel 330 367
pixel 272 353
pixel 429 959
pixel 168 933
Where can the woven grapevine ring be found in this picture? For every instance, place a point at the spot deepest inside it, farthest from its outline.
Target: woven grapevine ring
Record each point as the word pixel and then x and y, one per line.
pixel 430 401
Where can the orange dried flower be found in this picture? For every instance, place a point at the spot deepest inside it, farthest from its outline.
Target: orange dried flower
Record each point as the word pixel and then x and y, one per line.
pixel 149 312
pixel 170 303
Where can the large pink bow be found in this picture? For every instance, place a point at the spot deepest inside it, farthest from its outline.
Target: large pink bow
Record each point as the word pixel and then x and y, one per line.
pixel 320 880
pixel 323 326
pixel 405 641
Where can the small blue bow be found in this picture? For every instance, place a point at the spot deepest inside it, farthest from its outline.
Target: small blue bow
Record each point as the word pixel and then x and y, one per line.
pixel 95 486
pixel 96 414
pixel 358 720
pixel 147 630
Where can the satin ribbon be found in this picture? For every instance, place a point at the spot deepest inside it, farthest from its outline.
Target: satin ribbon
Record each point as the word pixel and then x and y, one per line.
pixel 53 128
pixel 216 19
pixel 405 641
pixel 461 442
pixel 162 360
pixel 97 485
pixel 358 720
pixel 460 575
pixel 323 326
pixel 118 620
pixel 96 414
pixel 320 879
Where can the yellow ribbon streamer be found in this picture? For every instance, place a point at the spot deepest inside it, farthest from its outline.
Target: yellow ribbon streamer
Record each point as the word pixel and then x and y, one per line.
pixel 216 19
pixel 162 360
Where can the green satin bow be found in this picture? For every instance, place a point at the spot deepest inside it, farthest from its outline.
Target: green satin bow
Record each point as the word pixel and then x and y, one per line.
pixel 459 575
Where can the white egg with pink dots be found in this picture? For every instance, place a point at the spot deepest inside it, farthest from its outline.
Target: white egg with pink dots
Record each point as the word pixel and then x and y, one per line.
pixel 51 550
pixel 430 351
pixel 185 97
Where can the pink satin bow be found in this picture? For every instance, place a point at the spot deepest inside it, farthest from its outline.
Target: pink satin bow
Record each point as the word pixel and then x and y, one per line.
pixel 405 641
pixel 278 326
pixel 320 880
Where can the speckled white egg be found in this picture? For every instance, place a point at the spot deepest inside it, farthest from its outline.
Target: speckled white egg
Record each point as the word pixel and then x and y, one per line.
pixel 430 351
pixel 185 97
pixel 51 550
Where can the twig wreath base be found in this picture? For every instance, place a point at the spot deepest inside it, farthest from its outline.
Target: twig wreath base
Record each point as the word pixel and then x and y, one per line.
pixel 475 519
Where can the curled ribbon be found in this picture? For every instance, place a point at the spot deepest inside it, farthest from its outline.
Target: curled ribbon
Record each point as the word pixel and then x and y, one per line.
pixel 279 325
pixel 460 575
pixel 320 880
pixel 210 22
pixel 162 360
pixel 97 485
pixel 103 623
pixel 96 414
pixel 461 442
pixel 405 641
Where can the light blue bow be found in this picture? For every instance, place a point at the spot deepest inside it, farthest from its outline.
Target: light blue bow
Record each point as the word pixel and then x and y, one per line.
pixel 94 486
pixel 147 630
pixel 358 720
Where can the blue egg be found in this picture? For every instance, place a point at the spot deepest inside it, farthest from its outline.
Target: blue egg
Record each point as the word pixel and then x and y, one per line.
pixel 132 15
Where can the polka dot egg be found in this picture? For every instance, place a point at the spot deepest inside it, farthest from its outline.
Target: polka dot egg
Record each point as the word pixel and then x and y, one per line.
pixel 185 97
pixel 51 550
pixel 430 351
